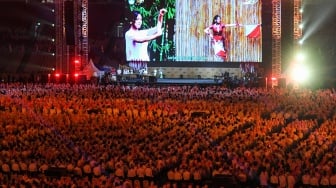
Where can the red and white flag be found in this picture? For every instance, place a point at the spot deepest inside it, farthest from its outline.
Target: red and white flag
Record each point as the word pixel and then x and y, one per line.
pixel 253 31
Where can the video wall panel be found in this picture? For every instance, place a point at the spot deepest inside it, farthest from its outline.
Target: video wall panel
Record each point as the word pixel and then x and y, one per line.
pixel 193 30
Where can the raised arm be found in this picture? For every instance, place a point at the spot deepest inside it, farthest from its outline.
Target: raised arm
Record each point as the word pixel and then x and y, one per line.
pixel 162 12
pixel 144 38
pixel 232 25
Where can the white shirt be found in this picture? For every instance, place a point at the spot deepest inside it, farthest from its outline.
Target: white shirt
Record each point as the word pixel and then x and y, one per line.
pixel 332 180
pixel 306 179
pixel 263 178
pixel 291 181
pixel 282 180
pixel 136 51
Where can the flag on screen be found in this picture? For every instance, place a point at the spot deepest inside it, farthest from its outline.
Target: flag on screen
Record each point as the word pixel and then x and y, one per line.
pixel 252 31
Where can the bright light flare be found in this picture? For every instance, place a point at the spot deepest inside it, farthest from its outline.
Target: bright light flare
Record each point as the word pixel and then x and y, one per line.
pixel 300 73
pixel 300 57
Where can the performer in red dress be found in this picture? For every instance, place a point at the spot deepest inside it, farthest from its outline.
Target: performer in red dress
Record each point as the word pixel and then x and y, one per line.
pixel 216 31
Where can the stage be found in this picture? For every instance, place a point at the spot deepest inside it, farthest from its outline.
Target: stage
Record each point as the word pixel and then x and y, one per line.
pixel 188 81
pixel 206 82
pixel 137 80
pixel 159 80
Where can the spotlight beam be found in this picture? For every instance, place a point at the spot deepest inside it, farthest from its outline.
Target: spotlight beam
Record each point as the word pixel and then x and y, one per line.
pixel 322 13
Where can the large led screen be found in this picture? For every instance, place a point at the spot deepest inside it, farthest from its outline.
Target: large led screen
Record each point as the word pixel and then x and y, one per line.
pixel 193 30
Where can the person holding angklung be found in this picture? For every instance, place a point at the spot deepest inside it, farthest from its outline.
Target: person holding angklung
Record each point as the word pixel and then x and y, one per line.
pixel 137 40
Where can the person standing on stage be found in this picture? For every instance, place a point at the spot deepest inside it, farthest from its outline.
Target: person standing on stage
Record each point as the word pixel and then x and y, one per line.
pixel 137 40
pixel 216 31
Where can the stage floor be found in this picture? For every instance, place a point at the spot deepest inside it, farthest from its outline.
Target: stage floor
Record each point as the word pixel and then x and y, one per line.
pixel 186 81
pixel 173 81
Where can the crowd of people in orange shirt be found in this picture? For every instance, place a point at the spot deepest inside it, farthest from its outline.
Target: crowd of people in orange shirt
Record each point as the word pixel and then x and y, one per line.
pixel 165 136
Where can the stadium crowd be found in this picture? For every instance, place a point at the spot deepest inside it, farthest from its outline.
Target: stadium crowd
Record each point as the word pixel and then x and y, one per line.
pixel 63 135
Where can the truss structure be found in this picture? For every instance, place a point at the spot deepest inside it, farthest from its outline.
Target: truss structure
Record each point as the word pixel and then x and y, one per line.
pixel 297 30
pixel 276 38
pixel 67 54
